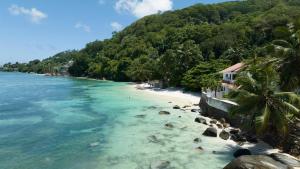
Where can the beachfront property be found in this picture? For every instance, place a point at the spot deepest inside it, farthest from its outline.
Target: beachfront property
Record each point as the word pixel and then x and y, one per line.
pixel 227 83
pixel 229 75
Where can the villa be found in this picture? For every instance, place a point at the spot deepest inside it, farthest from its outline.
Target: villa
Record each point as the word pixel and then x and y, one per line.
pixel 229 75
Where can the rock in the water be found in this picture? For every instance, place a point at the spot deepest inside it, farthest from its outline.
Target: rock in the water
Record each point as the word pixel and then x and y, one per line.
pixel 224 135
pixel 94 144
pixel 160 164
pixel 286 159
pixel 194 110
pixel 164 113
pixel 169 125
pixel 176 107
pixel 179 116
pixel 186 106
pixel 255 162
pixel 241 152
pixel 226 125
pixel 140 116
pixel 200 120
pixel 197 140
pixel 211 132
pixel 200 148
pixel 213 121
pixel 153 139
pixel 220 126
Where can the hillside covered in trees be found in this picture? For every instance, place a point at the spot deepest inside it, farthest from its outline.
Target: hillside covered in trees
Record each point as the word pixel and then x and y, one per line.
pixel 184 47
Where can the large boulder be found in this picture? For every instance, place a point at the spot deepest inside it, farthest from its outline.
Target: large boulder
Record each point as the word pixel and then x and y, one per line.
pixel 241 152
pixel 211 132
pixel 255 162
pixel 286 159
pixel 224 135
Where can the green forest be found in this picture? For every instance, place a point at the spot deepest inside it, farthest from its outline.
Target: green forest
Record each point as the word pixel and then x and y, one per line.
pixel 186 47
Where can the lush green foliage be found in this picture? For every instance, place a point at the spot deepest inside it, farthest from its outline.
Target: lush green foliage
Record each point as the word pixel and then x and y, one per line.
pixel 259 98
pixel 172 46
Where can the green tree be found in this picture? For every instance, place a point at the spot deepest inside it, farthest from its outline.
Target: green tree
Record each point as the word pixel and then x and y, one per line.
pixel 258 99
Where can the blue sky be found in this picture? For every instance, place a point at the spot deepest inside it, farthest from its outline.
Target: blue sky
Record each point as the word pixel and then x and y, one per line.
pixel 37 29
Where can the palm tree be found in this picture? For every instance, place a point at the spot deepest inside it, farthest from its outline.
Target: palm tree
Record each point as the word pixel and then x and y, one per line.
pixel 259 99
pixel 288 61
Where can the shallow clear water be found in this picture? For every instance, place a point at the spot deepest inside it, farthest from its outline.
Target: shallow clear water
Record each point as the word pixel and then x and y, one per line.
pixel 65 123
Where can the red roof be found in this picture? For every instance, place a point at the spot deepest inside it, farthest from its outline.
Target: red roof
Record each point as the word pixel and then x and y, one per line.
pixel 234 68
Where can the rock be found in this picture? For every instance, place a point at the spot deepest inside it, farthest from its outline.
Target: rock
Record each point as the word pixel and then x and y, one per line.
pixel 169 102
pixel 197 140
pixel 94 144
pixel 194 110
pixel 186 106
pixel 226 125
pixel 162 164
pixel 164 113
pixel 200 120
pixel 200 148
pixel 176 107
pixel 222 121
pixel 238 138
pixel 255 162
pixel 220 126
pixel 251 139
pixel 224 135
pixel 153 139
pixel 169 125
pixel 286 159
pixel 241 152
pixel 234 131
pixel 211 132
pixel 140 116
pixel 179 116
pixel 213 121
pixel 152 107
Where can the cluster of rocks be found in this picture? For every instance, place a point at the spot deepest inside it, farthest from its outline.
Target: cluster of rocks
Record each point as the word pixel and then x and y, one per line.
pixel 271 161
pixel 227 132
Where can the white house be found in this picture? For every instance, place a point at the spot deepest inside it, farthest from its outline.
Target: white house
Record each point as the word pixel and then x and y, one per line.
pixel 229 75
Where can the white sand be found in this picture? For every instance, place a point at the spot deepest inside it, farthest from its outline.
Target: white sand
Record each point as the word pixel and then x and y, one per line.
pixel 175 95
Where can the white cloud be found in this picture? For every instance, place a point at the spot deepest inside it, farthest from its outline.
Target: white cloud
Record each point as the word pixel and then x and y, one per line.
pixel 116 26
pixel 34 14
pixel 82 26
pixel 141 8
pixel 101 2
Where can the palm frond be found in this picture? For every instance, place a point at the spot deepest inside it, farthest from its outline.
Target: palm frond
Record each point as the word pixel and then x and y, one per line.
pixel 262 121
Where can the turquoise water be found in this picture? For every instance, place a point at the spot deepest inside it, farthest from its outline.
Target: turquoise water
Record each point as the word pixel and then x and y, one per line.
pixel 66 123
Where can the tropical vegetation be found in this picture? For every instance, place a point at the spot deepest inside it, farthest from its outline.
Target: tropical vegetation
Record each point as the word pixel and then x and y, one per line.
pixel 174 46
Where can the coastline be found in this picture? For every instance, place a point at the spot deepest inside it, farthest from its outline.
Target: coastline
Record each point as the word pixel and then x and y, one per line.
pixel 176 96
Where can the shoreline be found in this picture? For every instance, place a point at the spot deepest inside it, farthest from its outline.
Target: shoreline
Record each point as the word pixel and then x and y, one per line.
pixel 177 96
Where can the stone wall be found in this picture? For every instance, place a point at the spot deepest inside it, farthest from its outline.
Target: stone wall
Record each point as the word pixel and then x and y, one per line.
pixel 217 108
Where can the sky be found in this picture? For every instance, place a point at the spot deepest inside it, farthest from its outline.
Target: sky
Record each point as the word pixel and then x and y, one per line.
pixel 37 29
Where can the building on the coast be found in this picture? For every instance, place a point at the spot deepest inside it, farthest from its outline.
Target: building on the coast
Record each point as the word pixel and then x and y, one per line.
pixel 229 75
pixel 227 83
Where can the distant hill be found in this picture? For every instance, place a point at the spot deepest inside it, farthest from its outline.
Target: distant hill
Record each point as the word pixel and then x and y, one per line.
pixel 181 46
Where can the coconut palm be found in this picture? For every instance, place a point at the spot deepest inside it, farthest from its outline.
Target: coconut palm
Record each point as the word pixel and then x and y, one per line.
pixel 258 99
pixel 288 61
